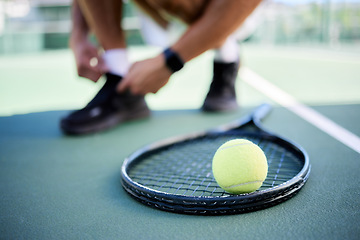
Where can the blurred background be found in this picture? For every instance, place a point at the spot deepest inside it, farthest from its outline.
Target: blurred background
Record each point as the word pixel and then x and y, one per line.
pixel 38 25
pixel 295 43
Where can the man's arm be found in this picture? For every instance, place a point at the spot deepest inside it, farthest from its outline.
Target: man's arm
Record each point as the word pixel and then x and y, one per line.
pixel 218 21
pixel 88 62
pixel 80 28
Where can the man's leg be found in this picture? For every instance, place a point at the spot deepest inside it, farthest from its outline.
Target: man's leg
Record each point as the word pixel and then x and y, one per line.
pixel 108 108
pixel 222 93
pixel 186 10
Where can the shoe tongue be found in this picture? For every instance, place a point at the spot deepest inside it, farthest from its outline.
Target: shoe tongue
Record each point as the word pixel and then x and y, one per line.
pixel 107 91
pixel 113 78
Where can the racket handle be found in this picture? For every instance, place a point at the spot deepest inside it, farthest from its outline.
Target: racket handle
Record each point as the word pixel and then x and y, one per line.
pixel 261 111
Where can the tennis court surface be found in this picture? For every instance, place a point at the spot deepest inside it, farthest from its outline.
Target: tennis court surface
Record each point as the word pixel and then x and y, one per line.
pixel 54 186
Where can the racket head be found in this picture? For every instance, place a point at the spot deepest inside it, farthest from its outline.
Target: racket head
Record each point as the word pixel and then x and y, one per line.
pixel 175 174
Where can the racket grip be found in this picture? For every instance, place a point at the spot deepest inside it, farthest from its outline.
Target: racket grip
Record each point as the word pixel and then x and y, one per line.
pixel 261 111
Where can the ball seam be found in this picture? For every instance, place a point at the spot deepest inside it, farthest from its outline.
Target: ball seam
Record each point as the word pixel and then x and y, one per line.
pixel 242 184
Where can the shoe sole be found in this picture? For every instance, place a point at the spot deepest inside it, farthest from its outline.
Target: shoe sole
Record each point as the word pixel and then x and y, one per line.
pixel 207 109
pixel 106 124
pixel 220 108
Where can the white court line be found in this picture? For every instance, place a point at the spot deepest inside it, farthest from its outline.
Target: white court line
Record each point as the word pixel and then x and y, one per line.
pixel 310 115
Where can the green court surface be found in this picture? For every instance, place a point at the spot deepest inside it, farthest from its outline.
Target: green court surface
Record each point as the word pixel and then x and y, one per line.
pixel 54 186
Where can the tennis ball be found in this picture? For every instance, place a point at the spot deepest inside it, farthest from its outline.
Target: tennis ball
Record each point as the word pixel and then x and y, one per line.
pixel 239 166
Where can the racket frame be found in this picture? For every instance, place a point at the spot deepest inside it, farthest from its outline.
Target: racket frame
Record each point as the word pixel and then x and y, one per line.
pixel 219 205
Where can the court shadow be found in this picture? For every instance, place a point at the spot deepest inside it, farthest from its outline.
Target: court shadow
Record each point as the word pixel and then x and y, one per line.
pixel 46 124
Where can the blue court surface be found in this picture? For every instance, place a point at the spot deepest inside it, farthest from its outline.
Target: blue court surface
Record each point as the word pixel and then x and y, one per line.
pixel 54 186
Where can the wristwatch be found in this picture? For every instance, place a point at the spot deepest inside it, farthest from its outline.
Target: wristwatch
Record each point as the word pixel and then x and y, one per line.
pixel 173 60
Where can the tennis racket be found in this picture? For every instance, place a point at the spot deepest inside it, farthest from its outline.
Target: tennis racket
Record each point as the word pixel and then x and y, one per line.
pixel 175 175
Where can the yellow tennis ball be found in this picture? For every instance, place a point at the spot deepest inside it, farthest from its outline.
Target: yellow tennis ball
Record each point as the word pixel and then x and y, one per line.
pixel 239 166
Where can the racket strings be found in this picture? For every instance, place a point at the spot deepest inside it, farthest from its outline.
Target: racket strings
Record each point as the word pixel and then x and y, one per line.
pixel 185 168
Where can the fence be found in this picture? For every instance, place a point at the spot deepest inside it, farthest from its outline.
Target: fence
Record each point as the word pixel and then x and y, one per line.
pixel 36 25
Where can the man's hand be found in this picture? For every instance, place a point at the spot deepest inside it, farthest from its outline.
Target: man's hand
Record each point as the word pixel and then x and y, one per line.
pixel 146 76
pixel 88 62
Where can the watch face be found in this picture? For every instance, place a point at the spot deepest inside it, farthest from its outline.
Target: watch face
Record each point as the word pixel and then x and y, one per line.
pixel 173 60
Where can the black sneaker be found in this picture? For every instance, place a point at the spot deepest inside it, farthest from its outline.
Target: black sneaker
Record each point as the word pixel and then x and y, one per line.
pixel 222 95
pixel 107 109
